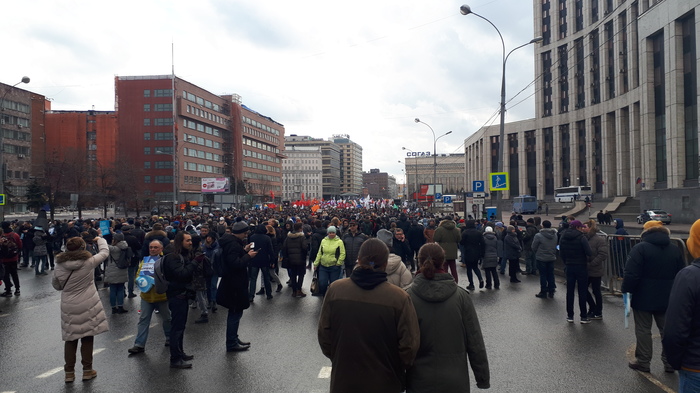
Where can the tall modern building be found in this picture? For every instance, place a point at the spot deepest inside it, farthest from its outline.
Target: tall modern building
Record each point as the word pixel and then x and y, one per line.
pixel 616 106
pixel 330 161
pixel 350 166
pixel 177 133
pixel 302 173
pixel 23 143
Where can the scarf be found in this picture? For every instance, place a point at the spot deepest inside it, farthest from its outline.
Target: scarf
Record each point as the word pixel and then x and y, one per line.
pixel 367 279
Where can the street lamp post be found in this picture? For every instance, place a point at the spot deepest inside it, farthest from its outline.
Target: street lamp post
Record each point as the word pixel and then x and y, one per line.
pixel 466 10
pixel 25 79
pixel 417 120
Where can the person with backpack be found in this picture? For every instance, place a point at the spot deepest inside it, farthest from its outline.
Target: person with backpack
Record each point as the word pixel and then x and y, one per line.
pixel 178 269
pixel 10 245
pixel 116 273
pixel 151 300
pixel 233 288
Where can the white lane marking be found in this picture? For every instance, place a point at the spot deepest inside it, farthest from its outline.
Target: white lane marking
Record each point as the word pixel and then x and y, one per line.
pixel 29 308
pixel 154 324
pixel 98 350
pixel 50 372
pixel 3 315
pixel 9 391
pixel 325 372
pixel 125 338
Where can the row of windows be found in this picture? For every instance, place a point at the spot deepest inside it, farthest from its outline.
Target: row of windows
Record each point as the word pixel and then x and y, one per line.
pixel 260 135
pixel 193 166
pixel 193 180
pixel 260 176
pixel 261 156
pixel 261 126
pixel 201 127
pixel 16 135
pixel 259 145
pixel 202 141
pixel 206 115
pixel 14 149
pixel 202 154
pixel 158 107
pixel 306 187
pixel 158 179
pixel 159 93
pixel 9 119
pixel 168 121
pixel 17 175
pixel 158 136
pixel 158 165
pixel 15 106
pixel 297 162
pixel 201 101
pixel 265 167
pixel 158 150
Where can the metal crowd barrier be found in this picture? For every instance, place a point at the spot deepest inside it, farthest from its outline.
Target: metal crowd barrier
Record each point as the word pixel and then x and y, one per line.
pixel 618 250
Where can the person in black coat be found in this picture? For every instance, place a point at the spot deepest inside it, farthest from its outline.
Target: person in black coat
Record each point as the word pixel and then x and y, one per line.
pixel 262 261
pixel 294 252
pixel 233 288
pixel 178 267
pixel 575 251
pixel 511 252
pixel 473 250
pixel 650 270
pixel 416 237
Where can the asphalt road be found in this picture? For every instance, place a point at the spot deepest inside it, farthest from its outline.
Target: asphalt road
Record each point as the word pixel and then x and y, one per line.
pixel 531 347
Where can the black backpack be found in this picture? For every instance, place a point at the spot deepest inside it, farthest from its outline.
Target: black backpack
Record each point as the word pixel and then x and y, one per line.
pixel 8 247
pixel 124 258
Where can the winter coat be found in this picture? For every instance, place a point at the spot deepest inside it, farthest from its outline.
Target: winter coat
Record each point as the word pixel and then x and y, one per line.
pixel 151 236
pixel 529 236
pixel 416 236
pixel 450 338
pixel 40 238
pixel 490 258
pixel 511 246
pixel 113 274
pixel 473 242
pixel 369 330
pixel 573 247
pixel 179 270
pixel 327 254
pixel 447 236
pixel 544 245
pixel 316 239
pixel 352 245
pixel 681 339
pixel 263 245
pixel 599 254
pixel 429 234
pixel 232 292
pixel 402 249
pixel 15 237
pixel 199 277
pixel 82 314
pixel 397 273
pixel 650 270
pixel 294 250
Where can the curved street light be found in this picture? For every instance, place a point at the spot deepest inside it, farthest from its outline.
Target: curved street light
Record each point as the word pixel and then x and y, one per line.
pixel 417 120
pixel 466 10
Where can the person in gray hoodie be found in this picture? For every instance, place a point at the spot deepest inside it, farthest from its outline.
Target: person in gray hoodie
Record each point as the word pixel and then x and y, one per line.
pixel 544 245
pixel 115 276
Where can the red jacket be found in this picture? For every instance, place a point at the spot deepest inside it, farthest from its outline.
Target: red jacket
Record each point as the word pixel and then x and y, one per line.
pixel 17 240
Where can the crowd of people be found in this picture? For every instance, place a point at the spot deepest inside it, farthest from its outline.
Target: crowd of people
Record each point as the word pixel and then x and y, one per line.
pixel 400 267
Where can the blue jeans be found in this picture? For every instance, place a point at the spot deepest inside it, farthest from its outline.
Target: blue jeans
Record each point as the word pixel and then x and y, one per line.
pixel 131 270
pixel 212 289
pixel 253 276
pixel 326 276
pixel 547 283
pixel 502 265
pixel 41 263
pixel 688 381
pixel 232 322
pixel 576 276
pixel 145 321
pixel 178 311
pixel 116 294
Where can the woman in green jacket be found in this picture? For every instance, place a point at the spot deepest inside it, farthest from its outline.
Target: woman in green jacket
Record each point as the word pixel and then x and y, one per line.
pixel 450 333
pixel 329 260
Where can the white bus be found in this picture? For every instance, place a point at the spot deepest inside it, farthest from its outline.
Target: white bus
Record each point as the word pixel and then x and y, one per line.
pixel 572 193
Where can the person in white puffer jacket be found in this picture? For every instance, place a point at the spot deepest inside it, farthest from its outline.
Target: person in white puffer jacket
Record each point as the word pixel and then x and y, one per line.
pixel 396 271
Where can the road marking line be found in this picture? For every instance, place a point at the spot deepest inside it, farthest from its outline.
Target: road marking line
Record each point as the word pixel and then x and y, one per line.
pixel 125 338
pixel 325 372
pixel 98 350
pixel 3 316
pixel 9 391
pixel 154 324
pixel 29 308
pixel 50 372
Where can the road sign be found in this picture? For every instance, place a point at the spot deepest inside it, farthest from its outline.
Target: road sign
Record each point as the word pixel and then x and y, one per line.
pixel 447 199
pixel 479 195
pixel 478 186
pixel 2 199
pixel 438 195
pixel 498 181
pixel 478 201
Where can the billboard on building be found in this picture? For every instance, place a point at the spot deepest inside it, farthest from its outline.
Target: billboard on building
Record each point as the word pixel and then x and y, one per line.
pixel 215 184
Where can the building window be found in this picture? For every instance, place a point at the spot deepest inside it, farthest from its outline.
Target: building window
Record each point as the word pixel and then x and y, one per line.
pixel 163 107
pixel 146 165
pixel 659 107
pixel 597 153
pixel 595 67
pixel 610 49
pixel 547 83
pixel 546 23
pixel 579 15
pixel 164 179
pixel 146 150
pixel 162 93
pixel 164 165
pixel 580 74
pixel 690 98
pixel 168 121
pixel 146 122
pixel 581 141
pixel 562 19
pixel 146 93
pixel 565 155
pixel 146 107
pixel 563 79
pixel 594 11
pixel 146 136
pixel 624 79
pixel 548 135
pixel 163 136
pixel 146 179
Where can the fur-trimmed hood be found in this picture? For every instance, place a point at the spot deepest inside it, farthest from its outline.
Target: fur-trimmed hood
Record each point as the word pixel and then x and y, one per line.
pixel 73 256
pixel 156 233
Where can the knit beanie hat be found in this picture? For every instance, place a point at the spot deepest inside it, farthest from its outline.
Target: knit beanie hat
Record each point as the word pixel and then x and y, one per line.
pixel 652 224
pixel 239 227
pixel 693 241
pixel 386 236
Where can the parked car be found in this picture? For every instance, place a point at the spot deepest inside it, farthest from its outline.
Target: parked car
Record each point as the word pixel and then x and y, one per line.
pixel 196 209
pixel 655 215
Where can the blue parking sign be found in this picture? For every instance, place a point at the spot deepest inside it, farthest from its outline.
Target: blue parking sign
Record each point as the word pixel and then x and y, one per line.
pixel 478 185
pixel 447 199
pixel 438 195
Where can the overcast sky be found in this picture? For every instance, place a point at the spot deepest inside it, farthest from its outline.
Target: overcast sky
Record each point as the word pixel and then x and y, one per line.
pixel 320 67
